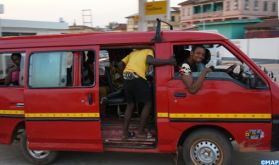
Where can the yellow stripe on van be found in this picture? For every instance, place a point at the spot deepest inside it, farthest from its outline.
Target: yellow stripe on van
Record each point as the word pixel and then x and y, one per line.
pixel 11 112
pixel 163 115
pixel 61 115
pixel 216 115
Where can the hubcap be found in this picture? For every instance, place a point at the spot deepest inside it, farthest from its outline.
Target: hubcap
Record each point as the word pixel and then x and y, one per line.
pixel 38 154
pixel 205 153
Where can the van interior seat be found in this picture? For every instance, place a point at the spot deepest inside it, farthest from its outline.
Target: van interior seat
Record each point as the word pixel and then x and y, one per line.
pixel 115 96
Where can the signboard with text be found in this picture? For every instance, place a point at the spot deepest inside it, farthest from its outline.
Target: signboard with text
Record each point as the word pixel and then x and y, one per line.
pixel 156 8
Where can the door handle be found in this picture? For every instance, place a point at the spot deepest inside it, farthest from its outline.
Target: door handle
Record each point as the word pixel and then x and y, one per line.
pixel 20 105
pixel 90 99
pixel 180 94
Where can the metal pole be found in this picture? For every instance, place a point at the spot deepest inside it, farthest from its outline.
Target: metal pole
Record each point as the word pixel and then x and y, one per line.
pixel 1 12
pixel 0 27
pixel 168 11
pixel 142 22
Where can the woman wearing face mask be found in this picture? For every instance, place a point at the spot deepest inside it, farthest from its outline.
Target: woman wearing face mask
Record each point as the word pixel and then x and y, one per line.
pixel 197 55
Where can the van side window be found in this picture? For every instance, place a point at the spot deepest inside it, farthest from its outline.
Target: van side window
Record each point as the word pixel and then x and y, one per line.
pixel 226 65
pixel 11 69
pixel 51 69
pixel 88 68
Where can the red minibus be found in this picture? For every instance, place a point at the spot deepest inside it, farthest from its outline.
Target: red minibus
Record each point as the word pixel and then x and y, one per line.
pixel 58 104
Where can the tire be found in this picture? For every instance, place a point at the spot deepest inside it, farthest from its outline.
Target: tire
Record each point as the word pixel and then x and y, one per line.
pixel 35 156
pixel 207 147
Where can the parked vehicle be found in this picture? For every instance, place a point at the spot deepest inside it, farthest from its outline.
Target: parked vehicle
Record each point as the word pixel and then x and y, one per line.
pixel 58 106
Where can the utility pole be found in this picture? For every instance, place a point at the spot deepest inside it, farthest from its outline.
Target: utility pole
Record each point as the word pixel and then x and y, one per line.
pixel 1 12
pixel 142 22
pixel 168 10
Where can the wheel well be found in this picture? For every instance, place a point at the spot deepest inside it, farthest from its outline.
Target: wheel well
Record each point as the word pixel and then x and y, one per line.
pixel 187 132
pixel 17 131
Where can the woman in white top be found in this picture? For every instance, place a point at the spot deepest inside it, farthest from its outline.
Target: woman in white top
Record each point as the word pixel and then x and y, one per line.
pixel 197 55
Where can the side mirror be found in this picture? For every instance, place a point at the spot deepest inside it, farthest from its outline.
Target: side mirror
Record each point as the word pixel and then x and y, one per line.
pixel 256 83
pixel 252 82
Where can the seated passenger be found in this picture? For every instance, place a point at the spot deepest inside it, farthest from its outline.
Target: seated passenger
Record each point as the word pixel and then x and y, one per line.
pixel 88 70
pixel 12 77
pixel 197 55
pixel 115 72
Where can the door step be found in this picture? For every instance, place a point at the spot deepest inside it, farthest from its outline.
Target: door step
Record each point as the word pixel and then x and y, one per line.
pixel 138 143
pixel 112 136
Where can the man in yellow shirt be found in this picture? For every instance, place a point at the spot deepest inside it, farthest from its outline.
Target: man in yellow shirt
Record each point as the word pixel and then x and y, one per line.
pixel 137 89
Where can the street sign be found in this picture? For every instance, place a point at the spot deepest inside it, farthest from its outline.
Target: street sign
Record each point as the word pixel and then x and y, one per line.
pixel 156 8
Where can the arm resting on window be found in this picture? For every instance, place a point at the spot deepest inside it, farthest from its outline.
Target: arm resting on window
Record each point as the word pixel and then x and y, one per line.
pixel 159 62
pixel 192 85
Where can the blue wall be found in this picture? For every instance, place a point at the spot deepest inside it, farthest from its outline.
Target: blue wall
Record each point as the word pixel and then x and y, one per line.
pixel 234 29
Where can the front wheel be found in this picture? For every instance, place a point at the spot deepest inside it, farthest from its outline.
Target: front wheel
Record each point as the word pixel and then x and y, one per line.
pixel 38 157
pixel 207 147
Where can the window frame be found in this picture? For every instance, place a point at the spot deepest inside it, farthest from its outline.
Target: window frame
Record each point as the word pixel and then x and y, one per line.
pixel 197 9
pixel 22 61
pixel 207 8
pixel 256 5
pixel 274 7
pixel 218 6
pixel 234 52
pixel 76 67
pixel 246 5
pixel 228 5
pixel 265 6
pixel 236 5
pixel 172 18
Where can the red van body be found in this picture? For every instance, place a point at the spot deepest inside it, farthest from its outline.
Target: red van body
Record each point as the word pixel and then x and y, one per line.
pixel 70 118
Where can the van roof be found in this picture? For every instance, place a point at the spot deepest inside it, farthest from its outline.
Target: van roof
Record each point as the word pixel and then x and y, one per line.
pixel 103 39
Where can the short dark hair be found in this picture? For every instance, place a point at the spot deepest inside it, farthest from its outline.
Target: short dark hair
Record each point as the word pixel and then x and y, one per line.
pixel 16 55
pixel 196 47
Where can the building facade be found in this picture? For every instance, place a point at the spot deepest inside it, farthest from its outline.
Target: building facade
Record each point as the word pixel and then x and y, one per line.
pixel 9 27
pixel 83 29
pixel 203 11
pixel 133 21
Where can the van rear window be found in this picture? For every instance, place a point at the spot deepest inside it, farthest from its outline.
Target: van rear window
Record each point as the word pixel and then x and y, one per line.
pixel 12 69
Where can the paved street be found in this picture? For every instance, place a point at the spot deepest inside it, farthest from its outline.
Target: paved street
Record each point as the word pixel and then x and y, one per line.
pixel 10 155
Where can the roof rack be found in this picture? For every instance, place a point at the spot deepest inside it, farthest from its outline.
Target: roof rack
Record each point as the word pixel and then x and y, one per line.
pixel 158 37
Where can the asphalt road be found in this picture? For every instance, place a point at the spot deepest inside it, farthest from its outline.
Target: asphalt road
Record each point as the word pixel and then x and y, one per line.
pixel 10 155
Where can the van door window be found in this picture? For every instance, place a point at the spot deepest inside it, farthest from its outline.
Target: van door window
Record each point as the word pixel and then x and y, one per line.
pixel 88 68
pixel 226 65
pixel 51 69
pixel 11 69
